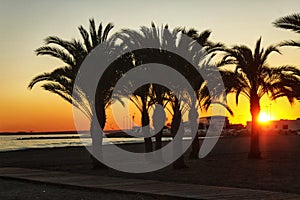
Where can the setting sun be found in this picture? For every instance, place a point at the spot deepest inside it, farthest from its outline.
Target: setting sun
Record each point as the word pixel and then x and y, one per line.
pixel 264 117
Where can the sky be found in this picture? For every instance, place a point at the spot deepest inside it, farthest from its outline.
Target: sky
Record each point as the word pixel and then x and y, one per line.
pixel 25 24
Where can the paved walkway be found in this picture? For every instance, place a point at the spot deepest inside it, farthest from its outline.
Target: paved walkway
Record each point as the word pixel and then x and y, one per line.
pixel 147 187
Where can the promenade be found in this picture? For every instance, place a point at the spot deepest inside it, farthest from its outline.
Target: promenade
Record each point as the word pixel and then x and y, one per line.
pixel 153 189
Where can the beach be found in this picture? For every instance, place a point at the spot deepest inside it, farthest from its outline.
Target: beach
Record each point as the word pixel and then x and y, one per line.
pixel 226 165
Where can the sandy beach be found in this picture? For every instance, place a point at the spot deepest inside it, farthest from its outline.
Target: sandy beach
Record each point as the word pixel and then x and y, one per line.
pixel 226 165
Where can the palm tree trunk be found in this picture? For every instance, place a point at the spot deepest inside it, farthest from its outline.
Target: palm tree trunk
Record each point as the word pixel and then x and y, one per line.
pixel 193 118
pixel 176 130
pixel 97 137
pixel 145 122
pixel 158 138
pixel 254 144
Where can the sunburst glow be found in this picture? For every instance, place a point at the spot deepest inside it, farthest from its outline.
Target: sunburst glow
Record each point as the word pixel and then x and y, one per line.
pixel 264 117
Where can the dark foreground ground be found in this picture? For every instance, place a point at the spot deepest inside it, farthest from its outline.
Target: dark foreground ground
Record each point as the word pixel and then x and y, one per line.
pixel 226 165
pixel 24 190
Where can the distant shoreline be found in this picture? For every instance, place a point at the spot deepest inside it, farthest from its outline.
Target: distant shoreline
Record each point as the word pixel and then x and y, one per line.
pixel 108 134
pixel 52 132
pixel 41 133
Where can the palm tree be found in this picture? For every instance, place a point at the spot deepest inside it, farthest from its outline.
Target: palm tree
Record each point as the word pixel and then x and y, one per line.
pixel 178 110
pixel 290 22
pixel 141 100
pixel 209 46
pixel 61 80
pixel 165 38
pixel 159 96
pixel 253 78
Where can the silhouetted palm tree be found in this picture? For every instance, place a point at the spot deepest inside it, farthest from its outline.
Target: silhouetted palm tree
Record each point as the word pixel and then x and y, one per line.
pixel 253 78
pixel 290 22
pixel 140 98
pixel 165 38
pixel 209 46
pixel 159 96
pixel 61 80
pixel 143 96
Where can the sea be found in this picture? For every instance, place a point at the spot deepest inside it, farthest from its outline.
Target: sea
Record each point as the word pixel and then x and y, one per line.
pixel 28 141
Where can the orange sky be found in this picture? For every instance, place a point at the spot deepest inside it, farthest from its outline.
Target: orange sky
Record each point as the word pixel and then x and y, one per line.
pixel 24 25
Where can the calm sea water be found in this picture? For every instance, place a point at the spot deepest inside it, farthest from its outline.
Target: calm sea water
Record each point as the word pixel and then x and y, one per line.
pixel 18 142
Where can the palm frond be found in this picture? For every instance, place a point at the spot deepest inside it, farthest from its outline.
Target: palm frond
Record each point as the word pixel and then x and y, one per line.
pixel 99 34
pixel 57 53
pixel 291 43
pixel 290 22
pixel 86 38
pixel 59 90
pixel 93 33
pixel 267 52
pixel 107 29
pixel 39 78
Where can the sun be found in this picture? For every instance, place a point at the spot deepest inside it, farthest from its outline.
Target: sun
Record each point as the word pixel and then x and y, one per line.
pixel 264 117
